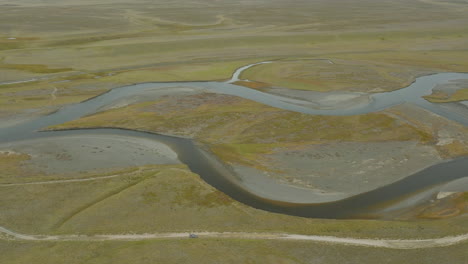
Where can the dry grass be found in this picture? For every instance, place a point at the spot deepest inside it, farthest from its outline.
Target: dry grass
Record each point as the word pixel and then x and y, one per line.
pixel 136 34
pixel 372 71
pixel 212 251
pixel 169 198
pixel 190 40
pixel 253 84
pixel 322 75
pixel 34 68
pixel 139 41
pixel 10 162
pixel 454 149
pixel 441 97
pixel 453 205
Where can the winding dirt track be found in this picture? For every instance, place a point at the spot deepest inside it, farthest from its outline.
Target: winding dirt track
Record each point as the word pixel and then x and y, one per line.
pixel 379 243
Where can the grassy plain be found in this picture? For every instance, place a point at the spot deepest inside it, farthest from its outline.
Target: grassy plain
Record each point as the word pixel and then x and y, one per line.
pixel 11 164
pixel 218 251
pixel 170 198
pixel 383 46
pixel 361 72
pixel 375 45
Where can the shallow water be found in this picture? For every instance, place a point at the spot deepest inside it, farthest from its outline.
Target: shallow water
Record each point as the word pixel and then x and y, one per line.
pixel 379 101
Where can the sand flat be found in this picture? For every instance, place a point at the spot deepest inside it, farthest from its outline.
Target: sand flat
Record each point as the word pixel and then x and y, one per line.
pixel 66 154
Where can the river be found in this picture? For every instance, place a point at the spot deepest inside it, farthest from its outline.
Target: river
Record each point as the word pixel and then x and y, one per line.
pixel 216 174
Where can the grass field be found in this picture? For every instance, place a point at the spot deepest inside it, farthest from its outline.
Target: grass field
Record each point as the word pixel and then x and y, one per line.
pixel 383 46
pixel 169 198
pixel 70 51
pixel 218 251
pixel 440 97
pixel 370 72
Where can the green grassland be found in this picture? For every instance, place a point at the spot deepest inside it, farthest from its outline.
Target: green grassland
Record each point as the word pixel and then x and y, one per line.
pixel 34 68
pixel 383 46
pixel 441 97
pixel 218 251
pixel 358 73
pixel 375 45
pixel 10 164
pixel 170 198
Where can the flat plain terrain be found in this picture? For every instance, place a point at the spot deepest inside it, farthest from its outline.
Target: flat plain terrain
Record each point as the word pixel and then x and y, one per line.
pixel 54 53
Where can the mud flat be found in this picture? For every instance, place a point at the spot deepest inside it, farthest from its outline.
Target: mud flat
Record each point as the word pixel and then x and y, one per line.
pixel 263 185
pixel 323 173
pixel 325 100
pixel 82 153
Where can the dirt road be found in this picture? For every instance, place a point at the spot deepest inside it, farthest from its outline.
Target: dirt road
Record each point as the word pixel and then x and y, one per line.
pixel 380 243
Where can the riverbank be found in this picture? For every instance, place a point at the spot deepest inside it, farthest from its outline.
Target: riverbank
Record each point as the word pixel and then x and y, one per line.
pixel 131 107
pixel 265 192
pixel 167 198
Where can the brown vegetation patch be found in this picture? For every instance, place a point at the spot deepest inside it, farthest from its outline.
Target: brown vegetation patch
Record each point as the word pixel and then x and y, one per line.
pixel 11 164
pixel 253 84
pixel 451 206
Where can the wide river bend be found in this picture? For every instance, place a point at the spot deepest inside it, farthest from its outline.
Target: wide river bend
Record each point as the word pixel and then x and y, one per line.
pixel 216 174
